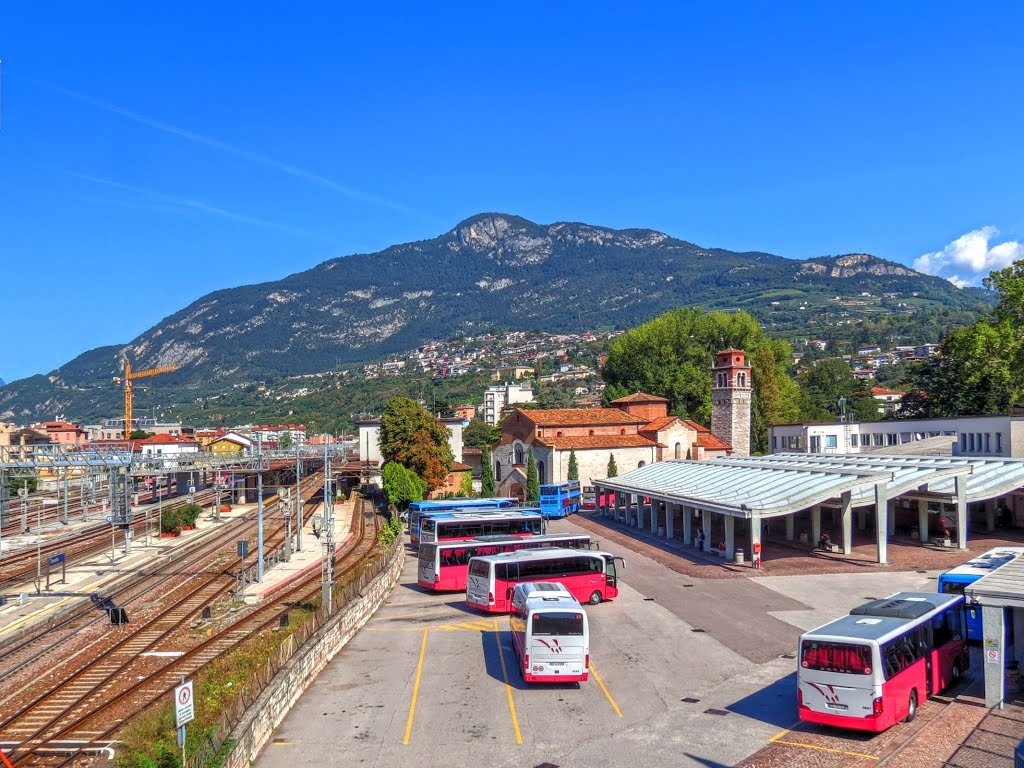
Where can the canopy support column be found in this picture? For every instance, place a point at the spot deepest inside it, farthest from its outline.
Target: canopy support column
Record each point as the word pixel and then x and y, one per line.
pixel 730 537
pixel 790 526
pixel 994 638
pixel 705 519
pixel 815 525
pixel 960 482
pixel 656 507
pixel 847 516
pixel 755 541
pixel 670 513
pixel 881 527
pixel 922 520
pixel 687 525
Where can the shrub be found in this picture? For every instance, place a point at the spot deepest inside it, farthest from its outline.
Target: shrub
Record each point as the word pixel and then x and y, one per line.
pixel 170 521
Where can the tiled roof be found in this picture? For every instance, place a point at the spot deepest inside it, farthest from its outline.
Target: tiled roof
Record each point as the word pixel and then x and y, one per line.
pixel 557 417
pixel 458 466
pixel 641 397
pixel 710 442
pixel 660 423
pixel 596 441
pixel 705 439
pixel 166 440
pixel 884 391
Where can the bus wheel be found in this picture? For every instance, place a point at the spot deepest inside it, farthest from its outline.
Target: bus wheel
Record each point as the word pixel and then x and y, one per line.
pixel 912 707
pixel 595 597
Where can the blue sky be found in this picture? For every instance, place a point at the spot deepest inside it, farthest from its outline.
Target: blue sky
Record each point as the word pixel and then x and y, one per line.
pixel 149 155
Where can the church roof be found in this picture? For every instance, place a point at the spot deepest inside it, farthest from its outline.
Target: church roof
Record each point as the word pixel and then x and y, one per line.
pixel 593 442
pixel 556 417
pixel 641 397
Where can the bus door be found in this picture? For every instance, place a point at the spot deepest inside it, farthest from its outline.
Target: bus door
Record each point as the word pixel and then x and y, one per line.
pixel 611 572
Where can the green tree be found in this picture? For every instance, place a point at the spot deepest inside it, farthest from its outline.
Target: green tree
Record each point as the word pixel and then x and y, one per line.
pixel 574 467
pixel 402 485
pixel 139 434
pixel 477 434
pixel 822 384
pixel 466 486
pixel 286 440
pixel 613 470
pixel 671 356
pixel 532 480
pixel 486 474
pixel 412 437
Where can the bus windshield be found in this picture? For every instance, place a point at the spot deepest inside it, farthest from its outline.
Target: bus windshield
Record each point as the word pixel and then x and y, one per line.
pixel 546 624
pixel 846 658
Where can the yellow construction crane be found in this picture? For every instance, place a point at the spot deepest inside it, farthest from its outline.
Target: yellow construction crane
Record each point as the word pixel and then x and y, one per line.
pixel 130 376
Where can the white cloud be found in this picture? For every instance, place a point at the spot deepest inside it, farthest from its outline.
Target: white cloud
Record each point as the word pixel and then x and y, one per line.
pixel 969 258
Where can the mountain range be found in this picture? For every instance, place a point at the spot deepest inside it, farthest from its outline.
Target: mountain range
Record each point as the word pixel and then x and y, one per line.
pixel 490 272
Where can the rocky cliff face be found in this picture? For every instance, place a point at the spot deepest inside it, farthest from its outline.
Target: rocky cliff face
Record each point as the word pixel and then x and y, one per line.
pixel 490 271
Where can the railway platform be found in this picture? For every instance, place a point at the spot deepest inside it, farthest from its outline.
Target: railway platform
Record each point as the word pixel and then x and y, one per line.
pixel 309 558
pixel 26 606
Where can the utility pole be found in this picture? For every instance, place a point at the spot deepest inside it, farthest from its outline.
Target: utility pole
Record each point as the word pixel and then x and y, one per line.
pixel 298 500
pixel 259 511
pixel 327 569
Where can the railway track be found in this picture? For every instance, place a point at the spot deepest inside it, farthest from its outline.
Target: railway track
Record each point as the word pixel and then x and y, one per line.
pixel 136 589
pixel 20 566
pixel 91 703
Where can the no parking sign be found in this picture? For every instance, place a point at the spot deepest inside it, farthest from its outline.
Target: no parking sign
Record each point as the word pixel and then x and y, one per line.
pixel 184 705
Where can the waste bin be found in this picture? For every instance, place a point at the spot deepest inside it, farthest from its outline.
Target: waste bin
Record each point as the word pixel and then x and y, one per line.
pixel 739 555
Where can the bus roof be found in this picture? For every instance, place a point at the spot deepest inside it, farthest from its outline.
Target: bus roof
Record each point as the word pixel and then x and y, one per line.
pixel 543 596
pixel 880 620
pixel 499 538
pixel 497 514
pixel 984 564
pixel 544 553
pixel 463 502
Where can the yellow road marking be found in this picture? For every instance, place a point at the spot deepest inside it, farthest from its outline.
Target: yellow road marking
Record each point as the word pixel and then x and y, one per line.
pixel 776 739
pixel 416 687
pixel 607 695
pixel 508 688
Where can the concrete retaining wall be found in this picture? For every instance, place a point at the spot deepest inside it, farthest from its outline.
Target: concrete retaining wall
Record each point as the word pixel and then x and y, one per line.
pixel 277 699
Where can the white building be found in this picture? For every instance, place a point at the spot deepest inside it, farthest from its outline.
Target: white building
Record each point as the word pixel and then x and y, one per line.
pixel 987 436
pixel 498 396
pixel 369 439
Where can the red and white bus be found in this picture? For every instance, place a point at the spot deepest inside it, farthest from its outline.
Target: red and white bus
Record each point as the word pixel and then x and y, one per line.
pixel 872 669
pixel 453 526
pixel 590 576
pixel 550 634
pixel 444 565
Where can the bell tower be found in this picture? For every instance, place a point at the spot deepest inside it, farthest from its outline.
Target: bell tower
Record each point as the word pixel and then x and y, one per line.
pixel 730 400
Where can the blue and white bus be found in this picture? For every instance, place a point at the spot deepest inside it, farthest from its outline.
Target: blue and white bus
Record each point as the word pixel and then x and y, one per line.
pixel 955 580
pixel 560 499
pixel 416 508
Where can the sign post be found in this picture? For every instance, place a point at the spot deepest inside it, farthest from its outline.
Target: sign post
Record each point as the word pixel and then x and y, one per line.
pixel 56 560
pixel 184 711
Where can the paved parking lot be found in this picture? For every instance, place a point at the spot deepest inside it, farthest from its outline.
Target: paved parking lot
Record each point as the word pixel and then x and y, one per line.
pixel 688 671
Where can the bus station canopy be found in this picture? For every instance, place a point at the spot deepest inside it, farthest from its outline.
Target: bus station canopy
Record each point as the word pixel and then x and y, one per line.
pixel 783 483
pixel 756 487
pixel 1003 587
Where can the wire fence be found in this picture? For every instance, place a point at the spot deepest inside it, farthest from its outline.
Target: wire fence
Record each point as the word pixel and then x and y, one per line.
pixel 210 753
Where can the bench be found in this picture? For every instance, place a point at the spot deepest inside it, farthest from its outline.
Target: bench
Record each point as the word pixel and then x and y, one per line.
pixel 941 541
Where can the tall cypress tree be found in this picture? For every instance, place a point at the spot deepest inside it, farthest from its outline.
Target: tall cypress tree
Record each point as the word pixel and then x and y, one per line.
pixel 486 474
pixel 574 467
pixel 612 469
pixel 532 480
